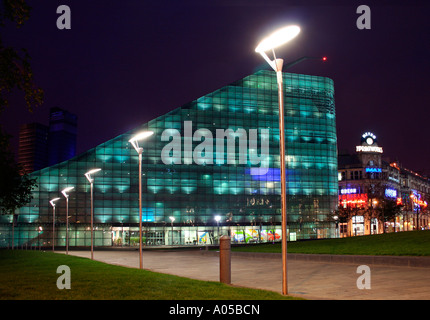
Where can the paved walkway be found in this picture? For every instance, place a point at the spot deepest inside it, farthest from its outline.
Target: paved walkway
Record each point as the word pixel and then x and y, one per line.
pixel 307 279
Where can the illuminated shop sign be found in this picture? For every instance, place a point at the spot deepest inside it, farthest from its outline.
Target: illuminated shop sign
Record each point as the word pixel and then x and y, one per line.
pixel 368 149
pixel 354 200
pixel 417 200
pixel 368 135
pixel 370 139
pixel 377 170
pixel 348 191
pixel 391 193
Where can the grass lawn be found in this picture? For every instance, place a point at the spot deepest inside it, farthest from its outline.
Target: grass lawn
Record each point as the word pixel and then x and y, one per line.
pixel 31 275
pixel 411 243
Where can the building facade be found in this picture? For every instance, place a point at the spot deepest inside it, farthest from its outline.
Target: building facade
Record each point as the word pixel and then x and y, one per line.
pixel 376 195
pixel 41 146
pixel 211 168
pixel 33 147
pixel 62 135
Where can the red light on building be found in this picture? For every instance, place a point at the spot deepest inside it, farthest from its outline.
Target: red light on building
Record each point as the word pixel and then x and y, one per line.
pixel 418 201
pixel 355 200
pixel 324 59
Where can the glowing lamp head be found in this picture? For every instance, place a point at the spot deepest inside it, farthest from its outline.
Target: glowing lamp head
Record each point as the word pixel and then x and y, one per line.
pixel 324 58
pixel 93 171
pixel 52 202
pixel 278 38
pixel 89 173
pixel 139 136
pixel 64 192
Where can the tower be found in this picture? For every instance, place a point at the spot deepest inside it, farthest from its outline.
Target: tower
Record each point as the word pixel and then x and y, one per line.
pixel 62 135
pixel 33 147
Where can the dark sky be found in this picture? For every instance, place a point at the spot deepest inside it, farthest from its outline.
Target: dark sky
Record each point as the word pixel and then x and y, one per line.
pixel 126 62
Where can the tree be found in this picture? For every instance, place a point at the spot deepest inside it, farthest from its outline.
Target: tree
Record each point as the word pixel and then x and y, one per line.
pixel 345 214
pixel 15 189
pixel 387 210
pixel 15 68
pixel 15 74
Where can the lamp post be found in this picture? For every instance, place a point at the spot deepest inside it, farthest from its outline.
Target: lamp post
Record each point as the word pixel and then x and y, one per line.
pixel 64 192
pixel 217 219
pixel 52 202
pixel 273 41
pixel 172 219
pixel 135 143
pixel 91 181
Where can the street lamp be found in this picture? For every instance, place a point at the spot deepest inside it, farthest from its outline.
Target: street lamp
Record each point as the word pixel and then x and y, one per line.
pixel 135 143
pixel 52 202
pixel 91 181
pixel 172 219
pixel 336 221
pixel 217 219
pixel 273 41
pixel 64 192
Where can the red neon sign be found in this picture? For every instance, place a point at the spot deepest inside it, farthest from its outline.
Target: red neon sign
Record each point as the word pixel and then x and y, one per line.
pixel 418 201
pixel 359 199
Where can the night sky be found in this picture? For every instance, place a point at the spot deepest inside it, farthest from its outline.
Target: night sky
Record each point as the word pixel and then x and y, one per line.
pixel 125 62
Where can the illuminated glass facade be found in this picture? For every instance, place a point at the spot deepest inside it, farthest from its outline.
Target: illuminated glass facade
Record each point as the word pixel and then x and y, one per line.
pixel 245 195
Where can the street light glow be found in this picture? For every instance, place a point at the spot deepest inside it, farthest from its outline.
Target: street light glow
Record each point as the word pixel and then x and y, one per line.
pixel 139 136
pixel 52 202
pixel 91 181
pixel 278 38
pixel 89 173
pixel 135 143
pixel 64 191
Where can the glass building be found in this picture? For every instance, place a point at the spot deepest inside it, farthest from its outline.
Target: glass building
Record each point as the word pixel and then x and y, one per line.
pixel 212 165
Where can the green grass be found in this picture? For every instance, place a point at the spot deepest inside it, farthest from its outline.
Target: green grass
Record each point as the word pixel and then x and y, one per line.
pixel 411 243
pixel 31 275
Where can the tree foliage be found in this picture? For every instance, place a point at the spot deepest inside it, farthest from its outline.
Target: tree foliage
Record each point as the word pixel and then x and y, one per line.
pixel 387 210
pixel 15 73
pixel 15 188
pixel 15 68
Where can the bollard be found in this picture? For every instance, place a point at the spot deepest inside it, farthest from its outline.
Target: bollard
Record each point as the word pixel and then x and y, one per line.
pixel 225 260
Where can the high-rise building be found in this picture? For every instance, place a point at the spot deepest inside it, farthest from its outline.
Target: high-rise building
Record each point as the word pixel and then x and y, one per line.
pixel 211 168
pixel 41 145
pixel 33 147
pixel 62 135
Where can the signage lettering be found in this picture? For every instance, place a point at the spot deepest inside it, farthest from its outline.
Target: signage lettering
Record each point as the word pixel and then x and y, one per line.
pixel 377 170
pixel 369 149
